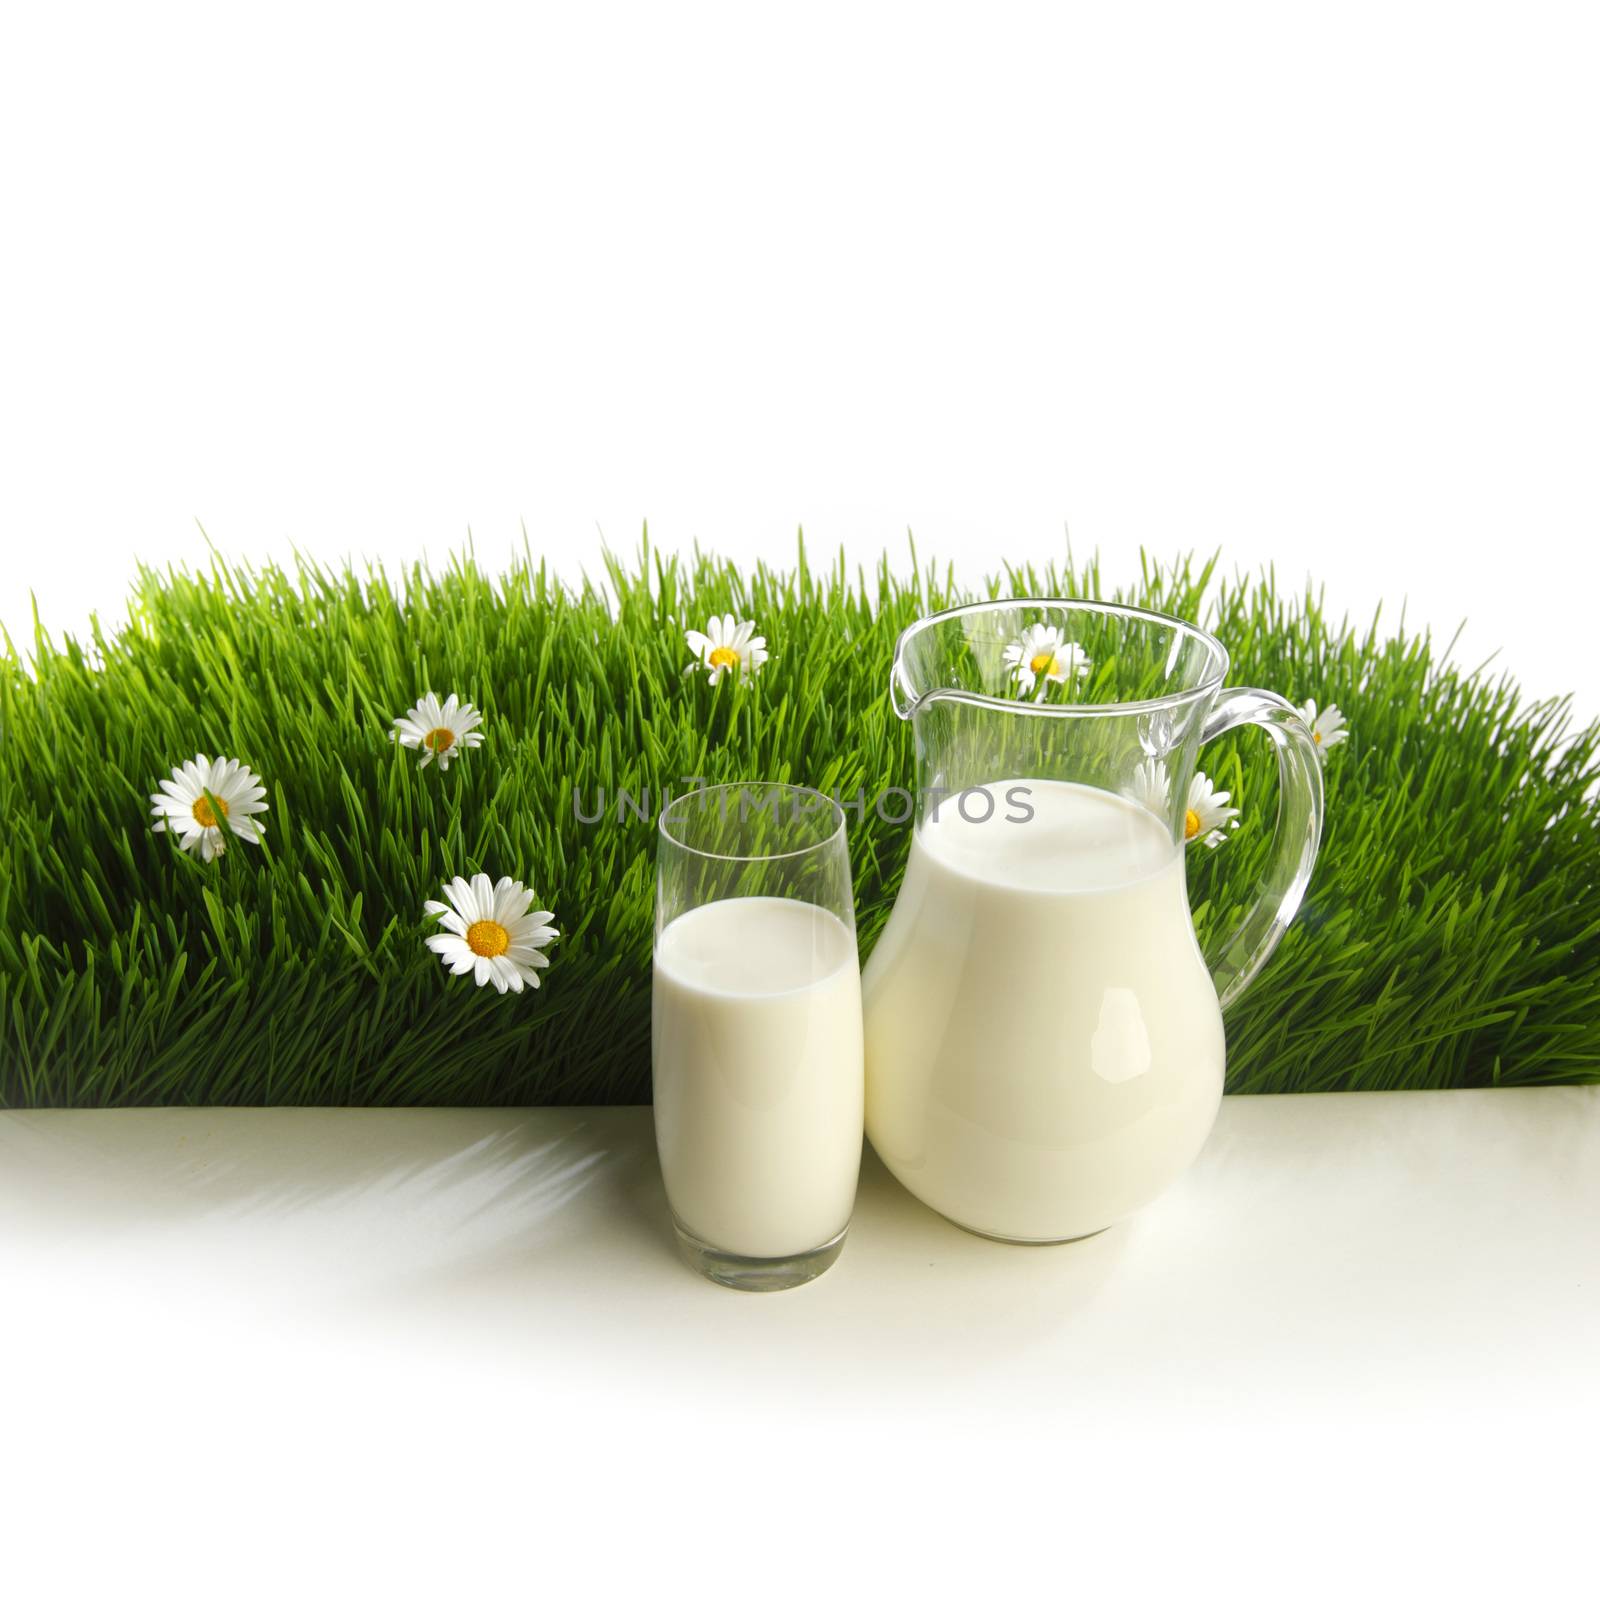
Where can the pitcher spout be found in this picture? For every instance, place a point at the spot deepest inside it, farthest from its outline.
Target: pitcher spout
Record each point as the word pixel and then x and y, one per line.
pixel 903 694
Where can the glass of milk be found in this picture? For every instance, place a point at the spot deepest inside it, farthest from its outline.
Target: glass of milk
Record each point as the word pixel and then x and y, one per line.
pixel 755 1043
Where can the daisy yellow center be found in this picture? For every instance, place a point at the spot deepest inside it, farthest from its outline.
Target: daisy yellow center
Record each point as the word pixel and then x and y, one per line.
pixel 1191 823
pixel 487 938
pixel 1316 735
pixel 204 815
pixel 438 741
pixel 1042 662
pixel 722 656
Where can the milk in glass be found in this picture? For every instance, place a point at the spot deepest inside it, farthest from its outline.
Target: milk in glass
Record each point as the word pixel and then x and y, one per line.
pixel 756 1043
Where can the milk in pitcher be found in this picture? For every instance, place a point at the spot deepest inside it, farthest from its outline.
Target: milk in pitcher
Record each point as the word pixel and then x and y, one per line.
pixel 1037 1110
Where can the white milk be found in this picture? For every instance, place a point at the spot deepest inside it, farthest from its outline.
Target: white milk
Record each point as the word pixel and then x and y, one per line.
pixel 1044 1043
pixel 756 1049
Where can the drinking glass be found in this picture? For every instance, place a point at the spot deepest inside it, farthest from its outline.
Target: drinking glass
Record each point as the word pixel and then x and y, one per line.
pixel 755 1042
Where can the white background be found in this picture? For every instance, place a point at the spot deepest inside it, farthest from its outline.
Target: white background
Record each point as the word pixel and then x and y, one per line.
pixel 1309 286
pixel 1312 285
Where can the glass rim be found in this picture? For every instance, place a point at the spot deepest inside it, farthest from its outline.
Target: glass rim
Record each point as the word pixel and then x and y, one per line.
pixel 1215 676
pixel 796 789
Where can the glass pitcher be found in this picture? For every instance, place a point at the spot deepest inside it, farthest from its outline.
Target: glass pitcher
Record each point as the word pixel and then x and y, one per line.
pixel 1044 1041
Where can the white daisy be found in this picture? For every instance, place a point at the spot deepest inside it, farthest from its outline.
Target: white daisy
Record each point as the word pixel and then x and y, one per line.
pixel 439 731
pixel 724 644
pixel 200 795
pixel 1327 728
pixel 1041 655
pixel 490 931
pixel 1150 786
pixel 1207 814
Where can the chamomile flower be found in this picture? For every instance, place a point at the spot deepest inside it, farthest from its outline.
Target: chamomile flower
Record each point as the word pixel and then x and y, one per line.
pixel 200 795
pixel 1206 812
pixel 1207 815
pixel 1041 655
pixel 725 644
pixel 1150 786
pixel 490 932
pixel 441 732
pixel 1327 727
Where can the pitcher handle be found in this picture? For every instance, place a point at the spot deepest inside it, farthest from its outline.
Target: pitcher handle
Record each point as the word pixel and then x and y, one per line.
pixel 1294 844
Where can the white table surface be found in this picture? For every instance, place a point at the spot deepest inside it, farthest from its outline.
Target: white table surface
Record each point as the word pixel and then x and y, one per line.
pixel 365 1294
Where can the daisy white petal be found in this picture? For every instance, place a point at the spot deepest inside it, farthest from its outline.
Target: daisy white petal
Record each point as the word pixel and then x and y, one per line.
pixel 510 900
pixel 1151 787
pixel 483 894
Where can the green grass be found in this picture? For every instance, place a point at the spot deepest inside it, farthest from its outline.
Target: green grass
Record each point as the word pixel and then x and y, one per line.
pixel 1451 936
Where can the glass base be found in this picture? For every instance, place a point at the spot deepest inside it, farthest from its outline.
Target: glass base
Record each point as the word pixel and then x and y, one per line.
pixel 758 1274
